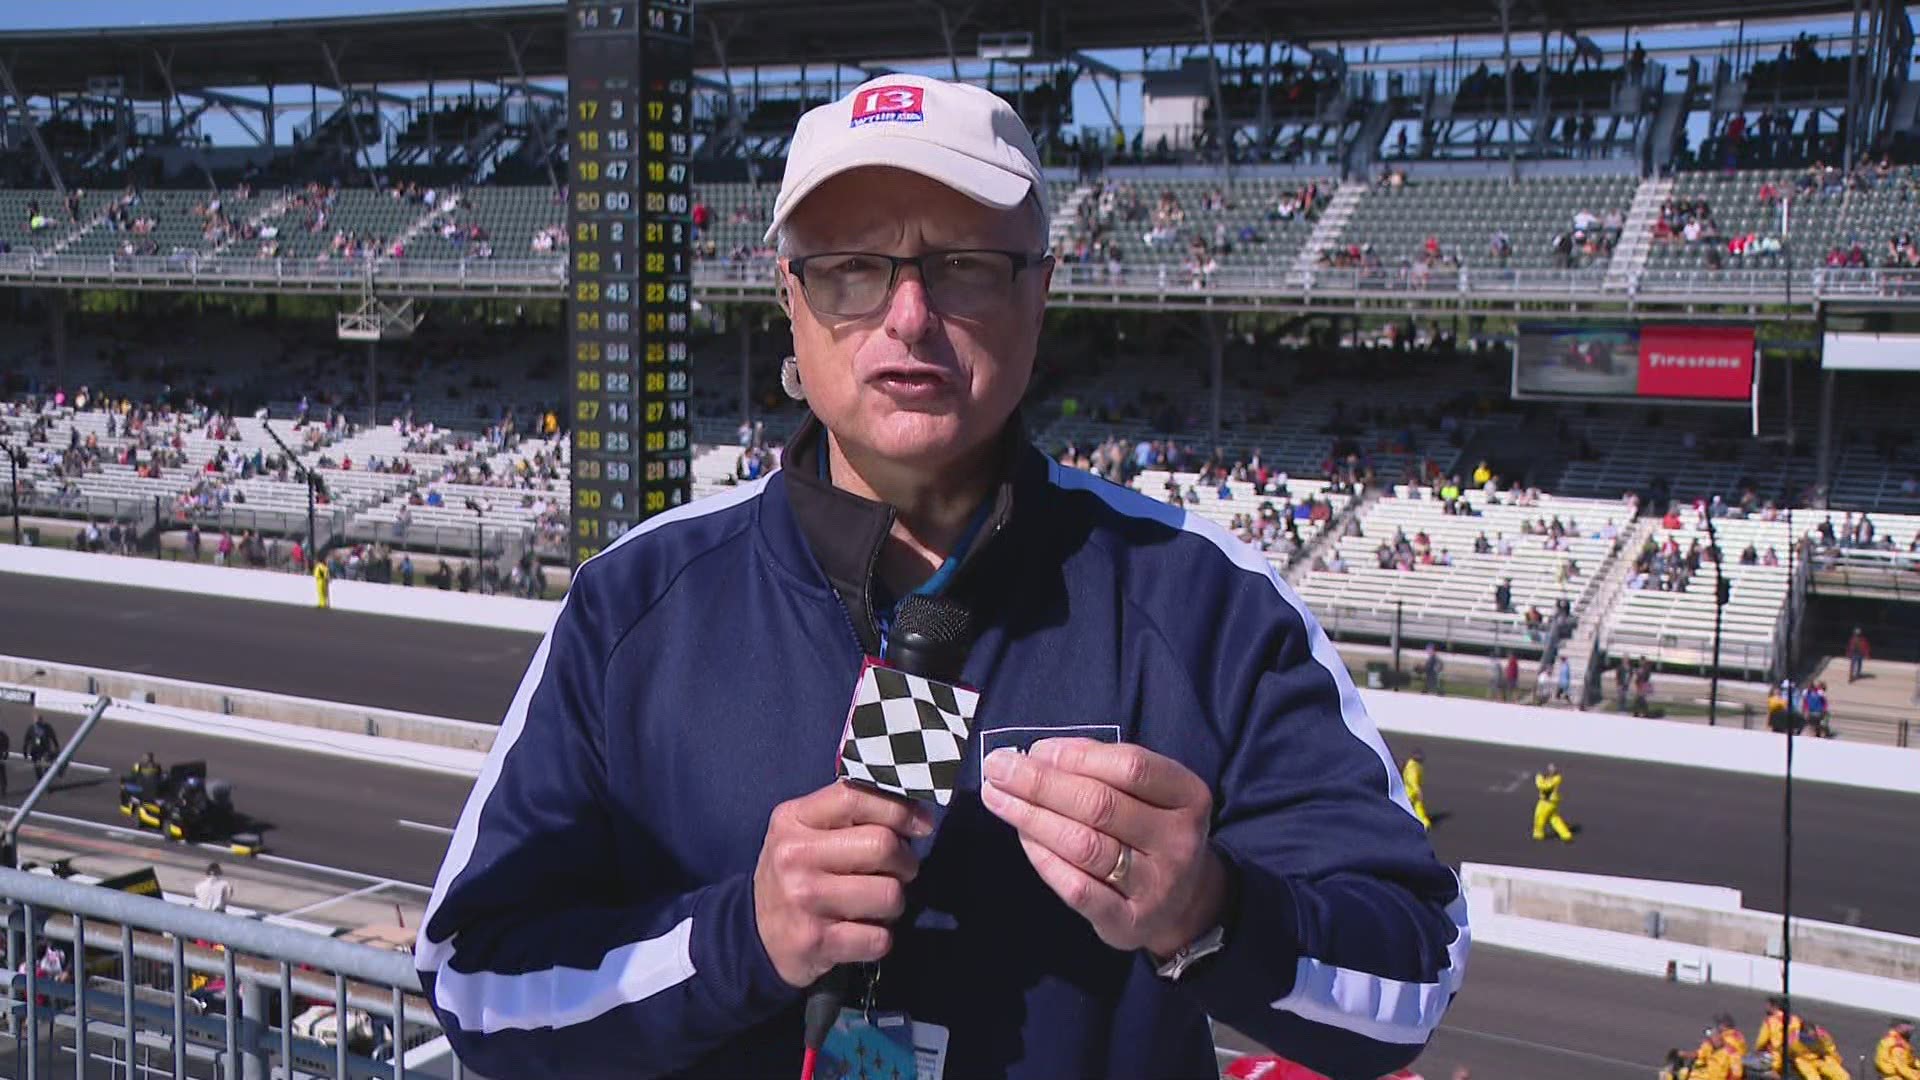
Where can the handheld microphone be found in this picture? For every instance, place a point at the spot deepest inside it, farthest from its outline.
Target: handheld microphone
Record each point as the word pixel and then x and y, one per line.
pixel 930 637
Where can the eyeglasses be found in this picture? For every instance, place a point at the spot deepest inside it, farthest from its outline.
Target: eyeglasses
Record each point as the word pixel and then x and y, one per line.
pixel 855 284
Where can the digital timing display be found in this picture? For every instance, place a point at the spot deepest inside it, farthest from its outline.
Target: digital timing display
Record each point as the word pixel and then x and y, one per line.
pixel 630 224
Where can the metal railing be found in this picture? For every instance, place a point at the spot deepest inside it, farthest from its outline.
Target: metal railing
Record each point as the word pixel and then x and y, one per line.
pixel 732 276
pixel 1346 621
pixel 146 979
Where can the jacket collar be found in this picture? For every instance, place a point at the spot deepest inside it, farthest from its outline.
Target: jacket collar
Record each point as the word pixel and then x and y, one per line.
pixel 844 532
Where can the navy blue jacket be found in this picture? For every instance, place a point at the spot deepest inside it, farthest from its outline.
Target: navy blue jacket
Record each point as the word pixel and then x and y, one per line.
pixel 594 916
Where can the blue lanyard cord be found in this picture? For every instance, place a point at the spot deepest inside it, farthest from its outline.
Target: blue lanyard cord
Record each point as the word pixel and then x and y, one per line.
pixel 883 603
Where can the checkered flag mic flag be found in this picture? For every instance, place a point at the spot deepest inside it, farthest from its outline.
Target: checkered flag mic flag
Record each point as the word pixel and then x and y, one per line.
pixel 906 733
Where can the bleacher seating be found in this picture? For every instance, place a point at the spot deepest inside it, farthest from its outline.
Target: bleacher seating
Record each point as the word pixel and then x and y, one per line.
pixel 1454 604
pixel 1245 503
pixel 1246 232
pixel 1463 215
pixel 1828 212
pixel 1676 628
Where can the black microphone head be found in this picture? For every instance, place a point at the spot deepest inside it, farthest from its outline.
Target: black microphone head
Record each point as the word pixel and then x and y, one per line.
pixel 937 620
pixel 930 636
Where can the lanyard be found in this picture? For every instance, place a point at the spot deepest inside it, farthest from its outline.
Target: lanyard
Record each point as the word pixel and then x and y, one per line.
pixel 884 603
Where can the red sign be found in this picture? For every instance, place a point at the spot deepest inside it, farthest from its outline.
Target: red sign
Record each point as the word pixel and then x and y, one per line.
pixel 1696 362
pixel 899 103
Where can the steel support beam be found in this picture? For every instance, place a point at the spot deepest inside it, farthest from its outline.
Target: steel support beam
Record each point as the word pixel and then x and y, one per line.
pixel 187 116
pixel 33 130
pixel 539 129
pixel 361 159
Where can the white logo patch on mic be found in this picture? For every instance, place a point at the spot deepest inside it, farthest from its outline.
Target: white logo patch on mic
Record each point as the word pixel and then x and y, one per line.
pixel 907 734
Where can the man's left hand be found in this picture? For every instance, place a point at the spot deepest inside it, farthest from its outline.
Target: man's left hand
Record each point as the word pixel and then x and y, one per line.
pixel 1119 833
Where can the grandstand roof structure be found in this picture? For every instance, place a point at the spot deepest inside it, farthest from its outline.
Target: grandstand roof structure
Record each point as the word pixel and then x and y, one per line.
pixel 473 44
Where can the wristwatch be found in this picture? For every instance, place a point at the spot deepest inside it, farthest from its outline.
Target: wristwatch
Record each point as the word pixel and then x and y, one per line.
pixel 1202 947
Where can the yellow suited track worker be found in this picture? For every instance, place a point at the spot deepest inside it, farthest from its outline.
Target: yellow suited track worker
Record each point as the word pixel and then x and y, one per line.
pixel 1775 1033
pixel 321 586
pixel 1723 1051
pixel 1414 774
pixel 1546 812
pixel 1710 1061
pixel 1814 1055
pixel 1893 1057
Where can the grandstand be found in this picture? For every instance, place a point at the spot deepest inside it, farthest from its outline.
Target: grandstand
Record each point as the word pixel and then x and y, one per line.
pixel 1307 191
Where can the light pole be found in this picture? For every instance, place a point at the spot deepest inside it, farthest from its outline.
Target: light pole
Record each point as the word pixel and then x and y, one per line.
pixel 1786 800
pixel 1721 594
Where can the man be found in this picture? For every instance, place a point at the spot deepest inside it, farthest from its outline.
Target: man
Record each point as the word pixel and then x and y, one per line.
pixel 1496 678
pixel 1857 652
pixel 1430 668
pixel 1413 775
pixel 1546 811
pixel 41 746
pixel 1503 595
pixel 1815 1056
pixel 1723 1052
pixel 1893 1056
pixel 1776 1032
pixel 213 891
pixel 656 862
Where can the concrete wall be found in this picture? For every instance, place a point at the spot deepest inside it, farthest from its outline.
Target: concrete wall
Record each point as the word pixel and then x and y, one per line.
pixel 1594 919
pixel 253 704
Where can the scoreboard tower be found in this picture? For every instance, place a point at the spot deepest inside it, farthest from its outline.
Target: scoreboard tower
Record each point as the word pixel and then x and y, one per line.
pixel 630 232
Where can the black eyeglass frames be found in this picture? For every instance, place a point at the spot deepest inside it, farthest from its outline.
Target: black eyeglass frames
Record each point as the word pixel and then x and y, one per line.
pixel 855 284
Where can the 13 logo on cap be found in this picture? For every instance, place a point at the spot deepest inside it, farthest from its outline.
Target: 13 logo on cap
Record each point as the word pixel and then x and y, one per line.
pixel 902 103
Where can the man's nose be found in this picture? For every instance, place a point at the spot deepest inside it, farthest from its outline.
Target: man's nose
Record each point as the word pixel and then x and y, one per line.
pixel 909 310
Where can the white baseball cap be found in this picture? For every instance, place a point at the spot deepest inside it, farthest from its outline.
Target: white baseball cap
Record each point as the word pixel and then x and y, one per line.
pixel 965 137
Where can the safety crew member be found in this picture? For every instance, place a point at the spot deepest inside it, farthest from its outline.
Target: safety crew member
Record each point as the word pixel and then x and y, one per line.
pixel 1546 811
pixel 1722 1053
pixel 1710 1060
pixel 321 586
pixel 1893 1057
pixel 147 769
pixel 1814 1055
pixel 631 894
pixel 1776 1031
pixel 1413 774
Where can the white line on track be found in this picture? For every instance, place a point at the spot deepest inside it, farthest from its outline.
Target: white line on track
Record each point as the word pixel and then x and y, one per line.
pixel 364 890
pixel 352 875
pixel 438 830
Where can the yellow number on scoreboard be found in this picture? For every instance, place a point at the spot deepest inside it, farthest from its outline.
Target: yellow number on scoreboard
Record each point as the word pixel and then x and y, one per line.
pixel 587 380
pixel 586 499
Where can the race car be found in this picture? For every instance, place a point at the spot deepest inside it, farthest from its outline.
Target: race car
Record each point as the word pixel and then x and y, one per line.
pixel 181 804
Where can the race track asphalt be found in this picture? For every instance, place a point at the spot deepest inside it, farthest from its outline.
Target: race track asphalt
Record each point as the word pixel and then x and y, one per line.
pixel 1853 849
pixel 466 672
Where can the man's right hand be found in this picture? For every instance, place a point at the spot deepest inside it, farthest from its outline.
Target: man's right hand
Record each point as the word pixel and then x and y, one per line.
pixel 833 871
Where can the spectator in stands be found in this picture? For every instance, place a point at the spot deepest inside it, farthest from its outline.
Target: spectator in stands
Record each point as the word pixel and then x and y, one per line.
pixel 1563 681
pixel 1535 621
pixel 1503 596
